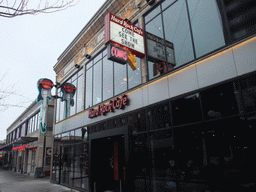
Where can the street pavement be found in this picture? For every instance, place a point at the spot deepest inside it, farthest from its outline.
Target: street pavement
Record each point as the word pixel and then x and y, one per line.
pixel 11 181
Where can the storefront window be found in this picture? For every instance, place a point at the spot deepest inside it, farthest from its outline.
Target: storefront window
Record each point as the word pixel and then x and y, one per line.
pixel 81 134
pixel 219 102
pixel 141 163
pixel 159 116
pixel 246 94
pixel 107 78
pixel 137 121
pixel 186 110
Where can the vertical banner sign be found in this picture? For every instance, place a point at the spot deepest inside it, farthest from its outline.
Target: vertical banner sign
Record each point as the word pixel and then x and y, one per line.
pixel 68 91
pixel 125 34
pixel 44 87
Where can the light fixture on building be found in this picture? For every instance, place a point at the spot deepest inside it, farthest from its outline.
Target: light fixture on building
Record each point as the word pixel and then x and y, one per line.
pixel 88 56
pixel 150 2
pixel 77 66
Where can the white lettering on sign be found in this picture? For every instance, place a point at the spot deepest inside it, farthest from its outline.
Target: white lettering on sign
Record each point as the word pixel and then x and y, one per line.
pixel 126 37
pixel 160 49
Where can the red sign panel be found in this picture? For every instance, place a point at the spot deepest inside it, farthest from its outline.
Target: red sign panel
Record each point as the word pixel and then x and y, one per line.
pixel 20 148
pixel 117 103
pixel 46 84
pixel 125 34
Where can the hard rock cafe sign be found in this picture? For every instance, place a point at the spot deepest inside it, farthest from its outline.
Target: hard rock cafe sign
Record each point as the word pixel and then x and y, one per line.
pixel 117 103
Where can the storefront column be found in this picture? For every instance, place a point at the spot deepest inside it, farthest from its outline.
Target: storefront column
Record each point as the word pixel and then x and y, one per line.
pixel 143 62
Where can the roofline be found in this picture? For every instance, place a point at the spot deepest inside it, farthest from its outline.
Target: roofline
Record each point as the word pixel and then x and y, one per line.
pixel 73 43
pixel 25 111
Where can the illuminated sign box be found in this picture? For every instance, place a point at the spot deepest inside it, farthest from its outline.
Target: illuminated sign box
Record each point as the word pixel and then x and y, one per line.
pixel 19 147
pixel 117 54
pixel 125 34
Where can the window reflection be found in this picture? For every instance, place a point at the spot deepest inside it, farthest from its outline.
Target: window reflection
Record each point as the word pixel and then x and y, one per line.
pixel 155 27
pixel 177 32
pixel 207 32
pixel 219 102
pixel 97 82
pixel 141 163
pixel 246 97
pixel 186 110
pixel 80 93
pixel 107 78
pixel 167 3
pixel 134 77
pixel 89 88
pixel 120 74
pixel 174 47
pixel 159 116
pixel 73 108
pixel 152 14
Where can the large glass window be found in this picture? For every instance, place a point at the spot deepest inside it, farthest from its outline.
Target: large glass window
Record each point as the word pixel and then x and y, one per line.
pixel 23 129
pixel 186 110
pixel 80 93
pixel 73 108
pixel 76 80
pixel 120 74
pixel 246 94
pixel 219 102
pixel 97 83
pixel 88 88
pixel 206 26
pixel 134 77
pixel 159 116
pixel 107 78
pixel 179 31
pixel 17 133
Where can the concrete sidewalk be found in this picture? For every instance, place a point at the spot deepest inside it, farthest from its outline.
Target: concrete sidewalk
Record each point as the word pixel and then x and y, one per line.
pixel 11 181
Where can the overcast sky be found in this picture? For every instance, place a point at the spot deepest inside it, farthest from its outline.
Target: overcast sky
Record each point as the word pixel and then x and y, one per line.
pixel 29 48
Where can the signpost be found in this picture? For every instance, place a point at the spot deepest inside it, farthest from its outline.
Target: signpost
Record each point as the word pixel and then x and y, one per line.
pixel 44 88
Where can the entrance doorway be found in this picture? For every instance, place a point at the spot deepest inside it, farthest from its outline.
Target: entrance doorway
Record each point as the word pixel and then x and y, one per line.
pixel 108 163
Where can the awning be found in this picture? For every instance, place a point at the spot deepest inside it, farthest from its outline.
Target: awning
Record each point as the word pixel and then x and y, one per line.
pixel 25 140
pixel 21 140
pixel 7 147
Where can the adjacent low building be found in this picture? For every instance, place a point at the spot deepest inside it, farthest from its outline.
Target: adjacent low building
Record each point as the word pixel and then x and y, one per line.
pixel 27 150
pixel 183 117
